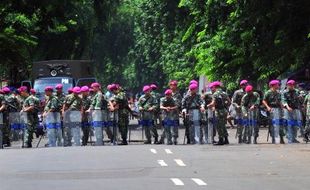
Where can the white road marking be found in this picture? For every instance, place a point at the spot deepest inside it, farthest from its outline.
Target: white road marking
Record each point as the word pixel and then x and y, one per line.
pixel 168 151
pixel 153 151
pixel 199 181
pixel 162 163
pixel 179 162
pixel 177 181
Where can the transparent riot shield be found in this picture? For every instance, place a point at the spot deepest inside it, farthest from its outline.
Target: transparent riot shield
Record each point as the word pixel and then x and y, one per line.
pixel 251 123
pixel 276 123
pixel 211 124
pixel 194 130
pixel 113 122
pixel 24 124
pixel 75 125
pixel 98 122
pixel 53 125
pixel 299 119
pixel 1 134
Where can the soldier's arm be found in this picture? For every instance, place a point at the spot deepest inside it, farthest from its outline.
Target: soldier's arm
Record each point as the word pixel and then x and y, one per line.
pixel 3 105
pixel 162 107
pixel 234 99
pixel 284 100
pixel 243 106
pixel 257 101
pixel 30 107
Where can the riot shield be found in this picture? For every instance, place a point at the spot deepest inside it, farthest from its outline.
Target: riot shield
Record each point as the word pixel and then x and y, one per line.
pixel 53 124
pixel 98 122
pixel 276 123
pixel 211 123
pixel 75 125
pixel 194 130
pixel 1 126
pixel 14 120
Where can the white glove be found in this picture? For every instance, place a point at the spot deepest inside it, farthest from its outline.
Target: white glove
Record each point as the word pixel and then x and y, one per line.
pixel 184 111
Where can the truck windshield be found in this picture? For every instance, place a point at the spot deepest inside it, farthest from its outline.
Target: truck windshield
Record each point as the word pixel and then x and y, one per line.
pixel 40 84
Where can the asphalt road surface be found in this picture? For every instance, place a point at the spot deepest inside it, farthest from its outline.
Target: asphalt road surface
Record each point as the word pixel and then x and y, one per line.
pixel 137 166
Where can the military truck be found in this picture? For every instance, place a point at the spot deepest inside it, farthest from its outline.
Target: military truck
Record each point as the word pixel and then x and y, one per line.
pixel 70 73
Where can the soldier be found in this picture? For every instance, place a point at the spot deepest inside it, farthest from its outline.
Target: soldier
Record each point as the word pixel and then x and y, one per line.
pixel 73 105
pixel 59 93
pixel 2 109
pixel 86 101
pixel 29 109
pixel 307 129
pixel 36 108
pixel 157 116
pixel 220 102
pixel 121 108
pixel 169 108
pixel 272 101
pixel 236 102
pixel 51 115
pixel 13 109
pixel 6 126
pixel 249 105
pixel 147 105
pixel 209 119
pixel 191 106
pixel 292 111
pixel 99 103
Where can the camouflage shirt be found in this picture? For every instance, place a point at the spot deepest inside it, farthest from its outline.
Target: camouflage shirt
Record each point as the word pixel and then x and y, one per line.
pixel 169 102
pixel 236 99
pixel 52 103
pixel 86 102
pixel 207 99
pixel 291 98
pixel 191 102
pixel 29 101
pixel 13 104
pixel 221 100
pixel 307 105
pixel 36 103
pixel 121 99
pixel 147 102
pixel 177 99
pixel 99 102
pixel 249 100
pixel 61 98
pixel 273 99
pixel 73 102
pixel 2 100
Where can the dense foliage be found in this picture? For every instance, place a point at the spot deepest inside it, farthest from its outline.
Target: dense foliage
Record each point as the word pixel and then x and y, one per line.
pixel 134 42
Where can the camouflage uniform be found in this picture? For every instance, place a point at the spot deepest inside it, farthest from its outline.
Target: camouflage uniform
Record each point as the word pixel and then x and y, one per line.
pixel 36 110
pixel 100 103
pixel 13 110
pixel 86 101
pixel 147 117
pixel 192 105
pixel 307 105
pixel 250 116
pixel 208 120
pixel 123 118
pixel 30 121
pixel 178 100
pixel 72 128
pixel 54 131
pixel 236 101
pixel 170 119
pixel 2 102
pixel 273 99
pixel 221 100
pixel 293 118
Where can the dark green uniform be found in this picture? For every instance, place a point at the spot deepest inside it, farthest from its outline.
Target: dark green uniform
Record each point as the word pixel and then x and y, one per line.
pixel 236 102
pixel 250 116
pixel 86 101
pixel 170 119
pixel 147 117
pixel 123 114
pixel 221 100
pixel 2 102
pixel 30 121
pixel 307 106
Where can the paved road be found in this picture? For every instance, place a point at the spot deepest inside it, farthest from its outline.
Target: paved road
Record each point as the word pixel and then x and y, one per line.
pixel 262 166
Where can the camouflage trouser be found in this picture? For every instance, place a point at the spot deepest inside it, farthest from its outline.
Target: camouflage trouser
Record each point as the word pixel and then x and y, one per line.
pixel 123 122
pixel 86 131
pixel 1 136
pixel 307 129
pixel 6 130
pixel 221 120
pixel 29 130
pixel 240 124
pixel 277 127
pixel 171 127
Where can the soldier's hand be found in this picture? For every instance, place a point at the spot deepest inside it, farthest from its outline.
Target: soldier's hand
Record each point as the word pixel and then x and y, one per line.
pixel 252 107
pixel 150 109
pixel 202 109
pixel 269 109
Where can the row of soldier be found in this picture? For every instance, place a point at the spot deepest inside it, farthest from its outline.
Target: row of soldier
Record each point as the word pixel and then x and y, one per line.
pixel 88 109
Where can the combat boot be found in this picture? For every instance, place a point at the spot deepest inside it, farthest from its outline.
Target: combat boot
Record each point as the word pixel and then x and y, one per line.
pixel 148 142
pixel 156 140
pixel 161 141
pixel 240 140
pixel 282 140
pixel 124 142
pixel 175 142
pixel 255 140
pixel 220 142
pixel 249 140
pixel 226 140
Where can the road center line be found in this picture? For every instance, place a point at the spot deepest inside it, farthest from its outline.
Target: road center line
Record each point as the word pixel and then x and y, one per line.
pixel 199 181
pixel 162 163
pixel 177 181
pixel 168 151
pixel 153 151
pixel 179 162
